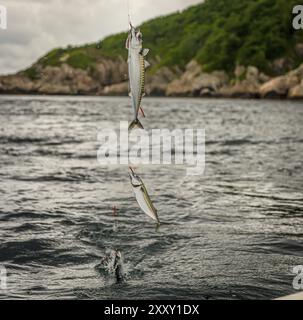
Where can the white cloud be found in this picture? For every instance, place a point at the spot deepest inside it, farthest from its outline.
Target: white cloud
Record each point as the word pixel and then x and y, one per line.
pixel 37 26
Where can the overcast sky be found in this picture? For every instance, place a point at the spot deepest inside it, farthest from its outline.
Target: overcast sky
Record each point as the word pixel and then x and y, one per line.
pixel 36 26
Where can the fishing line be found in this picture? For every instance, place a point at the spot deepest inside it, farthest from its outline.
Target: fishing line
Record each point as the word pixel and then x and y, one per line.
pixel 128 12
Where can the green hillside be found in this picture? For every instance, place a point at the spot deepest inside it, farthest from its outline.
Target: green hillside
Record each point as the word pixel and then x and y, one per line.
pixel 219 34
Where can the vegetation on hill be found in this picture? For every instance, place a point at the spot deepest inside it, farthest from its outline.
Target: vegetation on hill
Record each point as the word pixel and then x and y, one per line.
pixel 219 34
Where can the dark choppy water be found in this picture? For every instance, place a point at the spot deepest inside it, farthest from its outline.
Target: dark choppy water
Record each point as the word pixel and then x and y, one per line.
pixel 235 232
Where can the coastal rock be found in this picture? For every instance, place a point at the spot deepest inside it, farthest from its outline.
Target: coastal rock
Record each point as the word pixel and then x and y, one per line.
pixel 109 77
pixel 16 84
pixel 65 80
pixel 118 89
pixel 194 82
pixel 246 85
pixel 210 83
pixel 108 71
pixel 183 85
pixel 252 75
pixel 51 88
pixel 280 86
pixel 297 72
pixel 296 92
pixel 263 77
pixel 157 83
pixel 243 89
pixel 193 68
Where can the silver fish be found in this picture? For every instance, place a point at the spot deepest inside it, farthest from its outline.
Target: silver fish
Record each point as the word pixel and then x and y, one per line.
pixel 142 196
pixel 136 72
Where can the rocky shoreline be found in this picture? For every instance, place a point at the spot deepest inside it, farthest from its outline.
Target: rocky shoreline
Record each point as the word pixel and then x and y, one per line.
pixel 109 78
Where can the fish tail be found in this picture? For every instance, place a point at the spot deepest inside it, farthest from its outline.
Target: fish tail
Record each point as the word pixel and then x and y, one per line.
pixel 135 124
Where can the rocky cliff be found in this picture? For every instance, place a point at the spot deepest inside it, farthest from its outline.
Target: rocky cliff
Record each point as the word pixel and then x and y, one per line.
pixel 65 79
pixel 109 77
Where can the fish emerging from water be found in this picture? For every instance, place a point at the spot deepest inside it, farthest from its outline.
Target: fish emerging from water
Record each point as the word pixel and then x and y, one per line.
pixel 118 266
pixel 136 72
pixel 112 264
pixel 142 196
